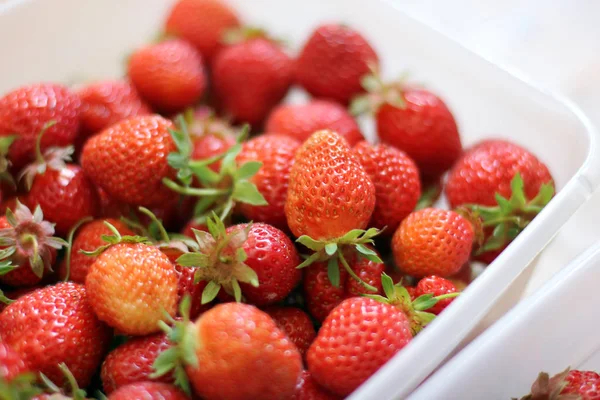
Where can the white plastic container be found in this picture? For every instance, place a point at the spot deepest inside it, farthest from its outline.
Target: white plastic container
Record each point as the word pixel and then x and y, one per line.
pixel 76 41
pixel 549 331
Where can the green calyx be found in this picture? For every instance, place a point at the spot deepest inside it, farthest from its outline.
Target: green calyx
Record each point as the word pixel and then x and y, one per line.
pixel 21 387
pixel 378 93
pixel 5 143
pixel 550 388
pixel 75 393
pixel 115 238
pixel 184 339
pixel 332 251
pixel 510 216
pixel 220 260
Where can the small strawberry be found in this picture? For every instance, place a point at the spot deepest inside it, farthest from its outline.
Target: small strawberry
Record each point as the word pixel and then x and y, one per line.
pixel 358 337
pixel 302 120
pixel 56 324
pixel 148 391
pixel 202 23
pixel 333 61
pixel 308 389
pixel 276 153
pixel 396 180
pixel 211 136
pixel 131 284
pixel 251 77
pixel 436 286
pixel 169 75
pixel 25 111
pixel 129 160
pixel 432 242
pixel 296 324
pixel 28 247
pixel 569 384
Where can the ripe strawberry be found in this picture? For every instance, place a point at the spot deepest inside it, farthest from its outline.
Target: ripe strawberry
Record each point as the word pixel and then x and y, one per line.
pixel 250 78
pixel 190 226
pixel 276 153
pixel 308 389
pixel 202 23
pixel 333 61
pixel 356 339
pixel 30 248
pixel 432 242
pixel 13 294
pixel 148 391
pixel 11 363
pixel 296 324
pixel 302 120
pixel 53 325
pixel 576 384
pixel 26 110
pixel 396 180
pixel 129 160
pixel 436 286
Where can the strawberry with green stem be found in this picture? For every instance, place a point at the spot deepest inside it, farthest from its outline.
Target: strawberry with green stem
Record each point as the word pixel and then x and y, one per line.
pixel 74 391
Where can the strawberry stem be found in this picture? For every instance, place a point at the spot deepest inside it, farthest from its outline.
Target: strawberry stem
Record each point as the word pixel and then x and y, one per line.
pixel 38 143
pixel 70 245
pixel 190 191
pixel 353 275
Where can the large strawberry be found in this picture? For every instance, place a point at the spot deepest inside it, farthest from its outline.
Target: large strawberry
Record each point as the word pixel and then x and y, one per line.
pixel 148 391
pixel 250 78
pixel 56 324
pixel 296 324
pixel 569 384
pixel 202 23
pixel 396 180
pixel 356 339
pixel 308 389
pixel 302 120
pixel 129 160
pixel 169 75
pixel 333 61
pixel 26 110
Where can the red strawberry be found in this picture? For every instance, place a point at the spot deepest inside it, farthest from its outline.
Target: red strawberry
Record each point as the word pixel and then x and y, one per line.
pixel 308 389
pixel 357 338
pixel 333 61
pixel 129 160
pixel 26 110
pixel 575 384
pixel 133 362
pixel 250 78
pixel 322 296
pixel 296 324
pixel 14 294
pixel 11 363
pixel 31 248
pixel 435 286
pixel 169 75
pixel 53 325
pixel 396 180
pixel 276 153
pixel 302 120
pixel 432 242
pixel 202 23
pixel 148 391
pixel 188 228
pixel 10 203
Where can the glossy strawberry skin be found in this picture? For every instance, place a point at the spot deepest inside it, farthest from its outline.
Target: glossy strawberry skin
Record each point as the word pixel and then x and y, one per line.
pixel 132 362
pixel 210 145
pixel 473 181
pixel 129 161
pixel 308 389
pixel 245 352
pixel 56 324
pixel 14 294
pixel 585 384
pixel 302 120
pixel 296 324
pixel 26 110
pixel 66 196
pixel 357 338
pixel 202 23
pixel 148 391
pixel 277 153
pixel 333 61
pixel 396 180
pixel 432 242
pixel 425 130
pixel 437 286
pixel 329 191
pixel 250 78
pixel 11 363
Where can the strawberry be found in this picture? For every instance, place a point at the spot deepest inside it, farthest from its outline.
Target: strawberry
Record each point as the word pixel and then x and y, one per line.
pixel 432 242
pixel 569 384
pixel 211 136
pixel 333 61
pixel 188 229
pixel 148 391
pixel 11 203
pixel 11 295
pixel 396 180
pixel 296 324
pixel 302 120
pixel 28 249
pixel 169 75
pixel 129 160
pixel 202 23
pixel 358 337
pixel 7 182
pixel 276 153
pixel 11 363
pixel 56 324
pixel 322 295
pixel 132 362
pixel 131 285
pixel 308 389
pixel 26 110
pixel 436 286
pixel 250 78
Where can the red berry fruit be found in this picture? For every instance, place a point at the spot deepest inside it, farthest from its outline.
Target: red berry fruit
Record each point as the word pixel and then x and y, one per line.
pixel 296 324
pixel 436 286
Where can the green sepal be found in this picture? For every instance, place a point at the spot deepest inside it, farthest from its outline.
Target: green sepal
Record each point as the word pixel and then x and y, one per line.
pixel 333 272
pixel 309 260
pixel 113 239
pixel 247 192
pixel 4 299
pixel 331 248
pixel 21 387
pixel 196 260
pixel 210 292
pixel 247 170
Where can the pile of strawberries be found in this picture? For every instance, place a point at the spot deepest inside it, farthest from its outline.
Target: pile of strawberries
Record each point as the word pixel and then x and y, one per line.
pixel 182 233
